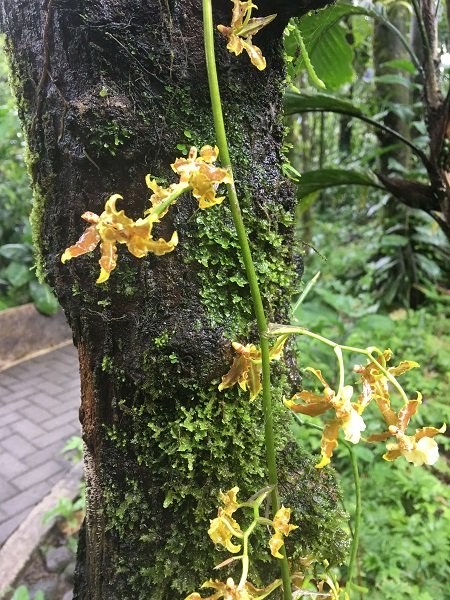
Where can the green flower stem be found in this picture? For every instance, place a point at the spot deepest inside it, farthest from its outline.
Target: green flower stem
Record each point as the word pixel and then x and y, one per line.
pixel 358 514
pixel 245 558
pixel 338 352
pixel 160 208
pixel 293 330
pixel 222 143
pixel 358 500
pixel 308 64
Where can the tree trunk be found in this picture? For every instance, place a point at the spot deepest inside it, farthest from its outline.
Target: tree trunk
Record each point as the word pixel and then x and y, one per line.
pixel 109 91
pixel 387 47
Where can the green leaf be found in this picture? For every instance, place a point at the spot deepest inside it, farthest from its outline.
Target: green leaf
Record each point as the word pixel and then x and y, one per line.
pixel 328 49
pixel 401 65
pixel 39 595
pixel 381 325
pixel 14 251
pixel 321 179
pixel 299 102
pixel 21 593
pixel 17 274
pixel 43 298
pixel 307 202
pixel 393 79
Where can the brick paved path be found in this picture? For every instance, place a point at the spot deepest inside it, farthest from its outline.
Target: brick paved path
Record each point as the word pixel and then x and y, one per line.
pixel 39 401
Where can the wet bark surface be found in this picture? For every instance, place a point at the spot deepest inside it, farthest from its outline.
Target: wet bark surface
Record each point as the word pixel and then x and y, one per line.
pixel 109 91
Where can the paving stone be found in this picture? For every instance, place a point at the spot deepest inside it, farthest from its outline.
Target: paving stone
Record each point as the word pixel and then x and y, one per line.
pixel 62 433
pixel 16 445
pixel 69 417
pixel 11 524
pixel 37 475
pixel 12 405
pixel 44 400
pixel 52 452
pixel 48 387
pixel 26 384
pixel 7 490
pixel 9 418
pixel 27 429
pixel 7 378
pixel 25 499
pixel 4 391
pixel 39 404
pixel 5 432
pixel 10 466
pixel 63 379
pixel 37 414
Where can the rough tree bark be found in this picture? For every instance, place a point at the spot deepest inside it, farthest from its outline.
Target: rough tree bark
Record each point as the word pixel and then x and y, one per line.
pixel 107 90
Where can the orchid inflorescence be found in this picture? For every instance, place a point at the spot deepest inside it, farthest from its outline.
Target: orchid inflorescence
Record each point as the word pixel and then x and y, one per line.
pixel 197 173
pixel 376 378
pixel 224 527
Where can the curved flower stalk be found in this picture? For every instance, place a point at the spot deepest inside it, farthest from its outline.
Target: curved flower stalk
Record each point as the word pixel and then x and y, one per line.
pixel 242 29
pixel 112 227
pixel 377 379
pixel 224 527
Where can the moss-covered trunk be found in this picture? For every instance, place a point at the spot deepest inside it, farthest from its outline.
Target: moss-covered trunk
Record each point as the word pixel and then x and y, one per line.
pixel 108 91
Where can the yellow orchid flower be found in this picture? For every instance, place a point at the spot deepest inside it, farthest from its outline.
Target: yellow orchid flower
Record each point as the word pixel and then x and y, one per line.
pixel 282 529
pixel 222 529
pixel 375 382
pixel 348 417
pixel 418 449
pixel 113 227
pixel 224 526
pixel 202 175
pixel 242 29
pixel 246 367
pixel 230 591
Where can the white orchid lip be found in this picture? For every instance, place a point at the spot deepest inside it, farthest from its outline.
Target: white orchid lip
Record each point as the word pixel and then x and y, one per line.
pixel 353 427
pixel 426 452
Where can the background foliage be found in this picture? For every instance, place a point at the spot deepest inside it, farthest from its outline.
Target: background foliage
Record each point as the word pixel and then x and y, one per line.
pixel 18 283
pixel 384 277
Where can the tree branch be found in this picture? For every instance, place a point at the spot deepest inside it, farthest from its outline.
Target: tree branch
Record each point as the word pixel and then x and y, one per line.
pixel 411 193
pixel 291 8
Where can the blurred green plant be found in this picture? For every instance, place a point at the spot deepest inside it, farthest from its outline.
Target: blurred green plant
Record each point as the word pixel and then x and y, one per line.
pixel 412 504
pixel 67 510
pixel 74 449
pixel 407 250
pixel 18 282
pixel 22 593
